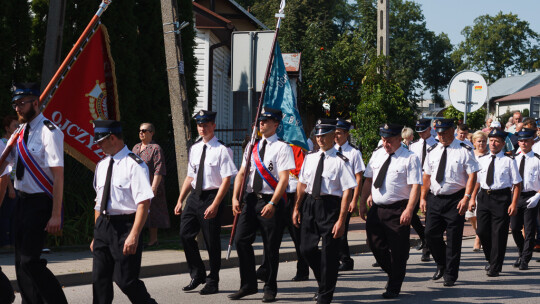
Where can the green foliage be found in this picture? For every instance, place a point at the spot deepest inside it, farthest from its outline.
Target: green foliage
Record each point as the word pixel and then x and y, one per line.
pixel 438 67
pixel 475 120
pixel 497 44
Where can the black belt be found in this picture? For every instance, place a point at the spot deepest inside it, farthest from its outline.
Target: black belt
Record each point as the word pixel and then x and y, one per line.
pixel 262 195
pixel 395 205
pixel 206 192
pixel 32 195
pixel 457 193
pixel 120 217
pixel 325 197
pixel 497 191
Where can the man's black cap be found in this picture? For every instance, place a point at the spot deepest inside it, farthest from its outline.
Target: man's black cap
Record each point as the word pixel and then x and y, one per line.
pixel 390 130
pixel 269 113
pixel 497 133
pixel 443 124
pixel 526 134
pixel 422 125
pixel 205 116
pixel 20 90
pixel 325 126
pixel 104 128
pixel 343 124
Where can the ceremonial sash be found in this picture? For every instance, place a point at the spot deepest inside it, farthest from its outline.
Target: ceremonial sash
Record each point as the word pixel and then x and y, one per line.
pixel 265 174
pixel 39 176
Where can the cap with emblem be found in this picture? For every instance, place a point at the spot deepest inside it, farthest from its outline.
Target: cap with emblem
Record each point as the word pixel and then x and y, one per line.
pixel 443 124
pixel 390 130
pixel 526 134
pixel 497 133
pixel 20 90
pixel 205 116
pixel 343 124
pixel 325 126
pixel 104 128
pixel 422 125
pixel 269 113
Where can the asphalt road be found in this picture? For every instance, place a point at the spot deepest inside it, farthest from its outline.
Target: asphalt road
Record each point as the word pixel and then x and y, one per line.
pixel 362 285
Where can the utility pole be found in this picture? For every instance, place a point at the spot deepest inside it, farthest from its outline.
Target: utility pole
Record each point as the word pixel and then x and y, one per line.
pixel 177 84
pixel 383 32
pixel 53 41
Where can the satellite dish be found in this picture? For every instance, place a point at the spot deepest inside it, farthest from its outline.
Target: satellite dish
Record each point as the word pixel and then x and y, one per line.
pixel 468 91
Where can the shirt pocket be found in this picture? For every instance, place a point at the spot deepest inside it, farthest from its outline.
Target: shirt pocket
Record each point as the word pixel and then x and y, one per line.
pixel 455 170
pixel 330 174
pixel 120 188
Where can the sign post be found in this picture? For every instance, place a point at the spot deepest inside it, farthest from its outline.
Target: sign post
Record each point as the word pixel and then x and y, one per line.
pixel 468 92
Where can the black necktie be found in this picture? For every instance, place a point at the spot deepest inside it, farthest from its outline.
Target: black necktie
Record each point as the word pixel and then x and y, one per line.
pixel 107 188
pixel 489 177
pixel 19 172
pixel 257 180
pixel 442 167
pixel 522 168
pixel 424 154
pixel 316 190
pixel 200 173
pixel 382 173
pixel 340 150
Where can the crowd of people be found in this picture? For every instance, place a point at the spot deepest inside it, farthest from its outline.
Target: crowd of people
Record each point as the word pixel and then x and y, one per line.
pixel 451 174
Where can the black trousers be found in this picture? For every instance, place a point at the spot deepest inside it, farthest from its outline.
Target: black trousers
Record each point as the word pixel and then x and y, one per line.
pixel 344 252
pixel 318 218
pixel 248 222
pixel 389 241
pixel 524 219
pixel 191 223
pixel 36 282
pixel 492 225
pixel 110 264
pixel 302 268
pixel 6 291
pixel 442 215
pixel 416 223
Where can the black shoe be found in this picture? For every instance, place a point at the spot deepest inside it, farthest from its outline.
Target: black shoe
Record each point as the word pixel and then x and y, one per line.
pixel 390 294
pixel 449 283
pixel 269 296
pixel 524 266
pixel 316 297
pixel 193 284
pixel 425 257
pixel 517 263
pixel 438 274
pixel 377 264
pixel 422 245
pixel 242 293
pixel 299 278
pixel 492 273
pixel 487 267
pixel 209 289
pixel 346 267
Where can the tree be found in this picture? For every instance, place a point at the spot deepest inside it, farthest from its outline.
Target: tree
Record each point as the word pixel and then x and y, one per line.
pixel 475 120
pixel 438 67
pixel 497 44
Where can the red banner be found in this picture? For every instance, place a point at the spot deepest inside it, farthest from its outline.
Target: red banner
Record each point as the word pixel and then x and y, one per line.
pixel 86 93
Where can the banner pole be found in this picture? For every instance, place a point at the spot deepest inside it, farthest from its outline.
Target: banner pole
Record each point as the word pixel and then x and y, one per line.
pixel 249 147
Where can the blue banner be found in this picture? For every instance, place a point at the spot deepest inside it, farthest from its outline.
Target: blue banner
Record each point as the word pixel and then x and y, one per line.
pixel 279 95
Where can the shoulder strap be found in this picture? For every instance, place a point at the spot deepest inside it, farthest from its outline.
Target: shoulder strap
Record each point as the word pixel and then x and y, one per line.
pixel 464 145
pixel 136 158
pixel 343 157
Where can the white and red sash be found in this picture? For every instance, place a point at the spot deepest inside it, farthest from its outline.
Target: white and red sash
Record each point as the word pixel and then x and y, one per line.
pixel 265 174
pixel 39 176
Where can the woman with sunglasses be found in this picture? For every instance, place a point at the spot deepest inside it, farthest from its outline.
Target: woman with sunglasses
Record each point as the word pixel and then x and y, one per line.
pixel 153 156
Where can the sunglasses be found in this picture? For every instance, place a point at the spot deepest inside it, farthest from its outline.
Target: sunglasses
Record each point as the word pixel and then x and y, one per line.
pixel 21 104
pixel 144 130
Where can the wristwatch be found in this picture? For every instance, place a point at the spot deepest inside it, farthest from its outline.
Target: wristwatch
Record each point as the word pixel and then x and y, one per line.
pixel 468 195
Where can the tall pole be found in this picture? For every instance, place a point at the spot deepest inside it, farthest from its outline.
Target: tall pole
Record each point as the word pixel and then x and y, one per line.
pixel 177 85
pixel 249 148
pixel 53 40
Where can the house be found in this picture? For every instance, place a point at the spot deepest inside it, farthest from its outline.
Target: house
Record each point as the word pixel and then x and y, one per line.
pixel 524 99
pixel 215 20
pixel 501 94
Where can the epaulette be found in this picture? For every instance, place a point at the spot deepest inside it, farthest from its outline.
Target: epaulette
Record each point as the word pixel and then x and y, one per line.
pixel 436 139
pixel 483 155
pixel 136 158
pixel 310 152
pixel 221 142
pixel 432 147
pixel 377 148
pixel 464 145
pixel 342 156
pixel 353 146
pixel 537 139
pixel 535 154
pixel 49 125
pixel 198 140
pixel 511 156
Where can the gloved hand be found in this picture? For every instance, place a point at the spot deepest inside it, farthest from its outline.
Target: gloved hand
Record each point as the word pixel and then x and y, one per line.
pixel 533 201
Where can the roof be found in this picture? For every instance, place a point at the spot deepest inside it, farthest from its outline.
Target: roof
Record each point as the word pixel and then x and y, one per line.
pixel 510 85
pixel 212 17
pixel 522 95
pixel 248 14
pixel 292 61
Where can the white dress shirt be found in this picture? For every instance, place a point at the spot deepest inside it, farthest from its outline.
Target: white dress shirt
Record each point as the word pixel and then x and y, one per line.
pixel 354 155
pixel 218 163
pixel 46 146
pixel 417 147
pixel 278 157
pixel 531 171
pixel 130 183
pixel 460 162
pixel 337 175
pixel 505 171
pixel 404 171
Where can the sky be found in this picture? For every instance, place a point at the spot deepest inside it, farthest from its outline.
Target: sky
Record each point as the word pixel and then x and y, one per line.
pixel 451 16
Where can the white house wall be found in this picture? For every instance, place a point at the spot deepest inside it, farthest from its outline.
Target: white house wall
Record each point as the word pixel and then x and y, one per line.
pixel 221 83
pixel 202 51
pixel 512 106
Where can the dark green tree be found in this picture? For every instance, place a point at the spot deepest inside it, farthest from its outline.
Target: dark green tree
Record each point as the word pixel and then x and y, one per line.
pixel 475 120
pixel 438 67
pixel 495 45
